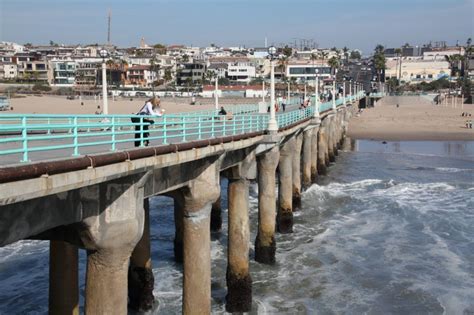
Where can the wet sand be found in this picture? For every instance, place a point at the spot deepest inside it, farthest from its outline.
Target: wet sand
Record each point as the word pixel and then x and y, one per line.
pixel 61 105
pixel 415 119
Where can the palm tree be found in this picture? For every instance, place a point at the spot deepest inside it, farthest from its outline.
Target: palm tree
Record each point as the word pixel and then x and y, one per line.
pixel 453 61
pixel 283 63
pixel 379 60
pixel 333 62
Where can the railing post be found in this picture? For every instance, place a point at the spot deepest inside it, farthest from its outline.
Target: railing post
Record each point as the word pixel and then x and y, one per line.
pixel 213 126
pixel 141 131
pixel 223 127
pixel 165 134
pixel 49 123
pixel 113 134
pixel 199 128
pixel 24 136
pixel 75 140
pixel 183 120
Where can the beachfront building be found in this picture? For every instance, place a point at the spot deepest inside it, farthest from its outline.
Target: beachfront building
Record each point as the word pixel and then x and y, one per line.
pixel 416 70
pixel 190 73
pixel 64 71
pixel 241 72
pixel 87 73
pixel 307 70
pixel 35 71
pixel 250 91
pixel 8 71
pixel 140 76
pixel 441 53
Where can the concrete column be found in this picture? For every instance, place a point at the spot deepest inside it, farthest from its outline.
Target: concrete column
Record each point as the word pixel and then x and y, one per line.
pixel 314 155
pixel 239 282
pixel 307 157
pixel 296 178
pixel 140 275
pixel 322 149
pixel 331 138
pixel 178 228
pixel 285 191
pixel 106 280
pixel 216 215
pixel 113 225
pixel 198 197
pixel 265 241
pixel 63 278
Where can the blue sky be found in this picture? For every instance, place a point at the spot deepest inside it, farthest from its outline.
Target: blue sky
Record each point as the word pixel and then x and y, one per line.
pixel 353 23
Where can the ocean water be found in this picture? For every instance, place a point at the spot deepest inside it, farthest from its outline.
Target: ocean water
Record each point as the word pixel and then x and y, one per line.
pixel 390 230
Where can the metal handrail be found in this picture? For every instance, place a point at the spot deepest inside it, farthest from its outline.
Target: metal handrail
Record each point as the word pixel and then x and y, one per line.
pixel 28 137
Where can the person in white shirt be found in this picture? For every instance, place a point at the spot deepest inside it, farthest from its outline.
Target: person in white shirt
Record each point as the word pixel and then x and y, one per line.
pixel 151 108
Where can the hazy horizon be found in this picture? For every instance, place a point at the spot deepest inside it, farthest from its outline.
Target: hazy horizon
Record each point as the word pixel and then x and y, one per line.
pixel 362 24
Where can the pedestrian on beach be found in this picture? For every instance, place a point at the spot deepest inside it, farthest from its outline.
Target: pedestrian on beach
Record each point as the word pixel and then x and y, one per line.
pixel 151 108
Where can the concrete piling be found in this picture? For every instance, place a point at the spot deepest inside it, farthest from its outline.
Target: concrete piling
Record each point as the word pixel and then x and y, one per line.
pixel 198 197
pixel 265 241
pixel 239 282
pixel 296 168
pixel 314 155
pixel 285 191
pixel 63 279
pixel 307 158
pixel 178 227
pixel 322 151
pixel 140 275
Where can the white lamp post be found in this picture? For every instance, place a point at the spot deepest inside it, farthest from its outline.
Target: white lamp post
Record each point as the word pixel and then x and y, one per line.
pixel 334 93
pixel 216 97
pixel 104 54
pixel 272 123
pixel 350 87
pixel 263 90
pixel 343 91
pixel 288 96
pixel 316 96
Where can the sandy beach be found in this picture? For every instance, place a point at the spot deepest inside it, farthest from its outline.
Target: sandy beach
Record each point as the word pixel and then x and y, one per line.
pixel 415 119
pixel 61 105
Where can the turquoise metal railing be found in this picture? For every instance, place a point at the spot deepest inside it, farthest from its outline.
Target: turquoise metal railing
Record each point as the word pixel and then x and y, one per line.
pixel 38 137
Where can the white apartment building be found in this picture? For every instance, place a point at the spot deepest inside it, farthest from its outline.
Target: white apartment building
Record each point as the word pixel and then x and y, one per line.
pixel 8 71
pixel 440 53
pixel 307 70
pixel 417 70
pixel 241 72
pixel 64 71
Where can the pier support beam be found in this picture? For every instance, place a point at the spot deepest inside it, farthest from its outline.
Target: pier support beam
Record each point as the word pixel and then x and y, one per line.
pixel 140 275
pixel 239 282
pixel 63 279
pixel 314 155
pixel 307 158
pixel 113 226
pixel 296 168
pixel 322 151
pixel 285 191
pixel 198 197
pixel 178 227
pixel 331 138
pixel 265 241
pixel 216 215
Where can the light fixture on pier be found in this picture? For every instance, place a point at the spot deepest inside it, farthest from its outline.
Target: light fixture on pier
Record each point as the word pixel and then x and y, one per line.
pixel 272 123
pixel 104 54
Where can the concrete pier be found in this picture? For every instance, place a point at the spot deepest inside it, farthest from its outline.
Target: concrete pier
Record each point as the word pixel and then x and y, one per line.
pixel 140 275
pixel 296 168
pixel 322 151
pixel 239 282
pixel 110 237
pixel 314 154
pixel 198 197
pixel 307 158
pixel 330 137
pixel 63 279
pixel 178 227
pixel 285 191
pixel 265 241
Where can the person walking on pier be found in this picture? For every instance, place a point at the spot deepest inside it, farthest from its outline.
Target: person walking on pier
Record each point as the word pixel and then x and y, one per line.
pixel 151 108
